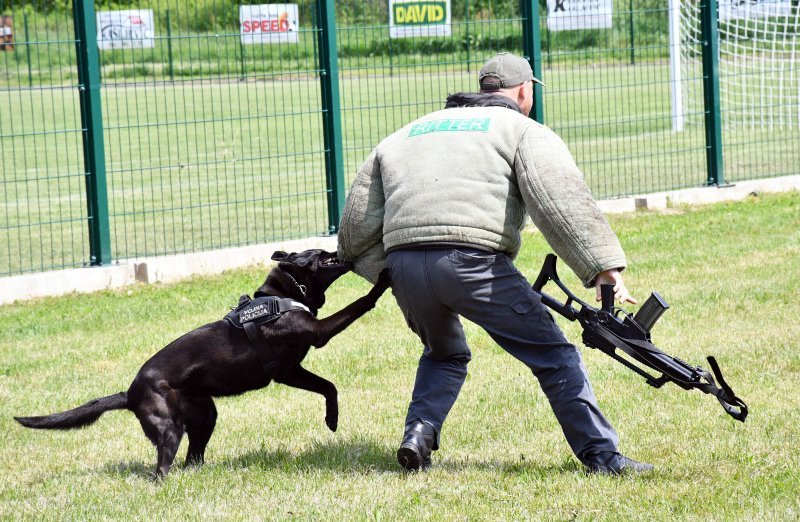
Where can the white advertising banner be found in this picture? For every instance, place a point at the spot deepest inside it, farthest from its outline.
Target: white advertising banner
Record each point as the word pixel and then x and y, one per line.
pixel 415 18
pixel 125 29
pixel 269 23
pixel 570 15
pixel 742 10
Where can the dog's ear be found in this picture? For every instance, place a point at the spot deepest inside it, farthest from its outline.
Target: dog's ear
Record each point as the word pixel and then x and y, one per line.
pixel 279 255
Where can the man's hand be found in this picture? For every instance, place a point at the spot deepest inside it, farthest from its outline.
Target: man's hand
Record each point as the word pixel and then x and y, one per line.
pixel 615 278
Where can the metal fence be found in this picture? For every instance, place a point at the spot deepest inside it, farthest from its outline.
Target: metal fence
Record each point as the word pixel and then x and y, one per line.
pixel 200 140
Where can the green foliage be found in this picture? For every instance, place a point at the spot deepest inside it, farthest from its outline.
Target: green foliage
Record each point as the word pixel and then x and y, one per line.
pixel 476 41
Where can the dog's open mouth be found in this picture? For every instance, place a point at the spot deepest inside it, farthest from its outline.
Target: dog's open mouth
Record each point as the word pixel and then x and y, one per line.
pixel 331 261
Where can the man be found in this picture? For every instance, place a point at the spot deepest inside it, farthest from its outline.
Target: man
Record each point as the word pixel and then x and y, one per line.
pixel 6 34
pixel 442 202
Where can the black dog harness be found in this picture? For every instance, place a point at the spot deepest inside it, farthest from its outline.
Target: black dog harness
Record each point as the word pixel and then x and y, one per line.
pixel 249 314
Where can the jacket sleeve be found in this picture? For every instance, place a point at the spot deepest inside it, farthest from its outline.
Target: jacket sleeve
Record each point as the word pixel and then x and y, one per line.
pixel 562 207
pixel 361 227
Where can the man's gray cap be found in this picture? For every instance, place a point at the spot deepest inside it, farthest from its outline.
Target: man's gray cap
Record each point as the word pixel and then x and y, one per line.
pixel 505 70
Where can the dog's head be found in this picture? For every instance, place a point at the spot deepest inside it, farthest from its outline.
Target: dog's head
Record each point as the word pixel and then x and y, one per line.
pixel 304 276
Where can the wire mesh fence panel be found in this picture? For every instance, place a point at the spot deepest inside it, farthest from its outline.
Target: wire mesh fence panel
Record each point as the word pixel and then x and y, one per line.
pixel 212 139
pixel 610 96
pixel 215 116
pixel 43 212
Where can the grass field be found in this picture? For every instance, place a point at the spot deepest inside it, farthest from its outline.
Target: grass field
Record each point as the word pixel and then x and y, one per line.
pixel 729 271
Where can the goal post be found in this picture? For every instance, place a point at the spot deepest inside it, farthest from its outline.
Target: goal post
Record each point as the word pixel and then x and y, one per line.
pixel 675 86
pixel 759 63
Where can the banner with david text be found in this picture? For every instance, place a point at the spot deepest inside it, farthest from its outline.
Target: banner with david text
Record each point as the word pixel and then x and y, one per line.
pixel 414 18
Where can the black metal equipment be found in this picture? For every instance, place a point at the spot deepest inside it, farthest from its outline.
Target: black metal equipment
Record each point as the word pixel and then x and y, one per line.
pixel 609 329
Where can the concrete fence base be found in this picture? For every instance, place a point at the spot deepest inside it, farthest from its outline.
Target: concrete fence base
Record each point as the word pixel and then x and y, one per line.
pixel 700 195
pixel 168 269
pixel 165 269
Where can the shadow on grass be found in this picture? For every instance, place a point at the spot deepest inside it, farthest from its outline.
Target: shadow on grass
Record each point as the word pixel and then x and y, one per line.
pixel 359 456
pixel 366 456
pixel 137 469
pixel 528 468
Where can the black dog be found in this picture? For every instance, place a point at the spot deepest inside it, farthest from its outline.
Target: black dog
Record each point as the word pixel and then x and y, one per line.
pixel 172 393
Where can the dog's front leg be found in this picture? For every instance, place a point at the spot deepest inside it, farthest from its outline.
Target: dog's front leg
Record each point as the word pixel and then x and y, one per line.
pixel 325 329
pixel 299 377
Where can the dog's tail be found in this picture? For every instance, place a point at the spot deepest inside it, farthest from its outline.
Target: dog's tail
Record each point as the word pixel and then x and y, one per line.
pixel 78 417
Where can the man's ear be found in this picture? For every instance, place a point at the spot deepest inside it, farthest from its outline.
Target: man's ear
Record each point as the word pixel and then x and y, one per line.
pixel 279 255
pixel 521 93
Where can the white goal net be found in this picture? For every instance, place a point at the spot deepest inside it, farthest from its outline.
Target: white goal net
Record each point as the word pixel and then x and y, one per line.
pixel 759 63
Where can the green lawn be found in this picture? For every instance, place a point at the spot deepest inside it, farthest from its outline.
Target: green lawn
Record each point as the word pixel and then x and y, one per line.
pixel 729 272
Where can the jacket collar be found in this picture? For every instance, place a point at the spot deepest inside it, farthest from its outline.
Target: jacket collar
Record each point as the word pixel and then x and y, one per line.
pixel 480 99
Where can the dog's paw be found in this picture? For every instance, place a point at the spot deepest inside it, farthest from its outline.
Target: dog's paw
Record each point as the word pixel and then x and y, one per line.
pixel 332 412
pixel 332 422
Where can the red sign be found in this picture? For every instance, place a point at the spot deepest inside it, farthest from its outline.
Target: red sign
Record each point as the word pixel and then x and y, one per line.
pixel 275 25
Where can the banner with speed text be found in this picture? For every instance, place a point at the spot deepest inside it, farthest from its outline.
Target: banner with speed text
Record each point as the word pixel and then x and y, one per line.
pixel 268 23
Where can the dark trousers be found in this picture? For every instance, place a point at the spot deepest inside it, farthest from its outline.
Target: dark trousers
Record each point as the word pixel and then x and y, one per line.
pixel 434 287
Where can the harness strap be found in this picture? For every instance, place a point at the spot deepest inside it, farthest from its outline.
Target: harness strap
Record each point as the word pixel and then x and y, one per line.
pixel 265 351
pixel 250 314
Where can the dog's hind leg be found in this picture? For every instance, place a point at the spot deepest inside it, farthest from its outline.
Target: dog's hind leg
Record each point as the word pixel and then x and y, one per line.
pixel 200 416
pixel 171 436
pixel 299 377
pixel 159 413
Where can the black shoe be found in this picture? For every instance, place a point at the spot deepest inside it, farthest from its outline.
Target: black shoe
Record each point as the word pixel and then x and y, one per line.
pixel 415 450
pixel 621 465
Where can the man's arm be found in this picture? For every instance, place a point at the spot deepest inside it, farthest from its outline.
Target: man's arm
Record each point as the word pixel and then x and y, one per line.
pixel 563 209
pixel 361 228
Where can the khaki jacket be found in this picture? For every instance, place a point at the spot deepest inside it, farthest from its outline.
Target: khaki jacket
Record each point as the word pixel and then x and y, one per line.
pixel 468 175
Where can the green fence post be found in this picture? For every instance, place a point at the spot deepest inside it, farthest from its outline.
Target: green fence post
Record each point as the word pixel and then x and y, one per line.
pixel 331 110
pixel 169 48
pixel 391 62
pixel 630 23
pixel 532 47
pixel 241 58
pixel 27 48
pixel 92 124
pixel 467 22
pixel 711 97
